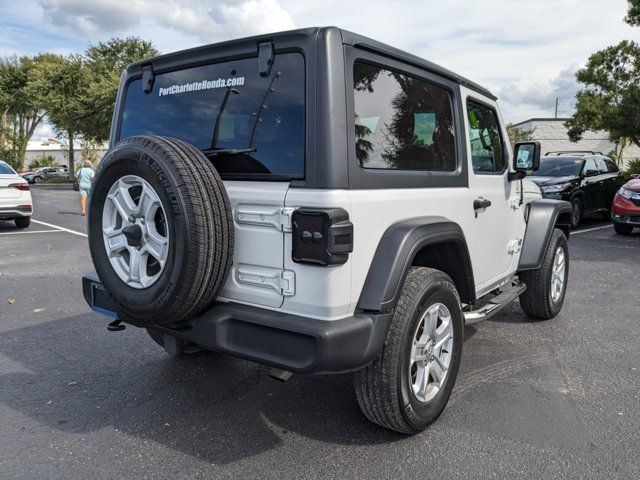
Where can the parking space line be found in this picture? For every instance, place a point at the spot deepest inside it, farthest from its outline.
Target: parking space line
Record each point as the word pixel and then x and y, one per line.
pixel 590 230
pixel 30 231
pixel 59 228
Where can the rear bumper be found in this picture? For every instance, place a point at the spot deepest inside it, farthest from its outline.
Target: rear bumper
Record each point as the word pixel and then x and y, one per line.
pixel 289 342
pixel 15 211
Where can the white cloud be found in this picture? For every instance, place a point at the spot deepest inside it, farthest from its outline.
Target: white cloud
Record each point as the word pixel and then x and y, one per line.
pixel 89 18
pixel 43 132
pixel 539 98
pixel 205 21
pixel 523 51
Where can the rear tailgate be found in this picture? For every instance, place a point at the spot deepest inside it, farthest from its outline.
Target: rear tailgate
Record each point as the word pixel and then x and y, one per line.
pixel 247 114
pixel 257 275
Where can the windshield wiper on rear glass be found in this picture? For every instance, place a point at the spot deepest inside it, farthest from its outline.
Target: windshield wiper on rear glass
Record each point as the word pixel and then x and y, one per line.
pixel 228 151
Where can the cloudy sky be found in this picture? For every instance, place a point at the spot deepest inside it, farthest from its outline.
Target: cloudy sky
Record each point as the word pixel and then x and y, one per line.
pixel 525 52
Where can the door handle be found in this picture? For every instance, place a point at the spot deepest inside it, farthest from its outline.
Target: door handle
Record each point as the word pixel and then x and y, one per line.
pixel 480 203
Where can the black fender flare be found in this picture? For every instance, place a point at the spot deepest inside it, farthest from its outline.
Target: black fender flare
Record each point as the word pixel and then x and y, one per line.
pixel 543 215
pixel 396 251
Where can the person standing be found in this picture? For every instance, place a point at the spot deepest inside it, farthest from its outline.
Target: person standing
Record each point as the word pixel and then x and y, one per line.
pixel 85 178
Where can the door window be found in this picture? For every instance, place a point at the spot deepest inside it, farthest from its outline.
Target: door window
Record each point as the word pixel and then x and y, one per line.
pixel 487 149
pixel 590 164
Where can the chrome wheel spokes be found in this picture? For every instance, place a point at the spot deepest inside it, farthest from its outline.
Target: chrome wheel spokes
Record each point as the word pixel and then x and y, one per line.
pixel 431 352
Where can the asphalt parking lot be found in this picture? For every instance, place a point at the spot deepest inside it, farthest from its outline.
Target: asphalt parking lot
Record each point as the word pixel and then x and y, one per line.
pixel 559 398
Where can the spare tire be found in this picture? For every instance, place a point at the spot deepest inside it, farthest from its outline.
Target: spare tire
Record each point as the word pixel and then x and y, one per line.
pixel 160 229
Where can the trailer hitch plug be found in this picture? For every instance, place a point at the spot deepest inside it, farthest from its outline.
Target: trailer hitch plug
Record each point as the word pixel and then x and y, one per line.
pixel 116 326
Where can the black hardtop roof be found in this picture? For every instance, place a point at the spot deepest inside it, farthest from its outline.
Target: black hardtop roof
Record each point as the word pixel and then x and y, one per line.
pixel 348 38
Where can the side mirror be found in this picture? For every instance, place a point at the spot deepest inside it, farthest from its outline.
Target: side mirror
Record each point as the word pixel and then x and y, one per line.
pixel 590 173
pixel 526 157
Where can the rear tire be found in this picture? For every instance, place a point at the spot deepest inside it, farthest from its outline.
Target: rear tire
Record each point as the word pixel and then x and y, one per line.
pixel 389 390
pixel 577 212
pixel 622 229
pixel 192 226
pixel 22 222
pixel 543 299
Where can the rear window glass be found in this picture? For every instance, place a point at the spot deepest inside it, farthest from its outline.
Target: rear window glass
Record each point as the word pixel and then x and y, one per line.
pixel 6 169
pixel 402 123
pixel 228 106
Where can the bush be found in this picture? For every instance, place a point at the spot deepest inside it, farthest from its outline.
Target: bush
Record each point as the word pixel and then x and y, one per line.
pixel 43 161
pixel 633 166
pixel 60 180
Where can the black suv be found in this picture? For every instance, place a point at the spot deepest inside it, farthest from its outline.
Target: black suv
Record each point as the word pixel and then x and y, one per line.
pixel 589 180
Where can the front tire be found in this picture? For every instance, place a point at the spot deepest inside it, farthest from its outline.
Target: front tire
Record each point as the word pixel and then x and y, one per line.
pixel 547 286
pixel 408 385
pixel 622 229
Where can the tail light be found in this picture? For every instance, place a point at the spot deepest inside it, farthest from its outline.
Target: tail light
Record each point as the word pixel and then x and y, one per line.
pixel 322 236
pixel 20 186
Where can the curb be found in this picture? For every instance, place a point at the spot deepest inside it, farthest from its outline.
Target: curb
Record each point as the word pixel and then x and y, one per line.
pixel 51 186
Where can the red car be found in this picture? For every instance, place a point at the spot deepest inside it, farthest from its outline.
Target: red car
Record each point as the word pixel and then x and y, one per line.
pixel 625 209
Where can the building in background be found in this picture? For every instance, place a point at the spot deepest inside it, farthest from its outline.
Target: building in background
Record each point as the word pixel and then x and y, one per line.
pixel 552 135
pixel 58 150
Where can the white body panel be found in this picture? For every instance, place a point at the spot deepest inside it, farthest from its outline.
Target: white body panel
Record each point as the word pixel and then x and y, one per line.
pixel 264 273
pixel 494 236
pixel 11 198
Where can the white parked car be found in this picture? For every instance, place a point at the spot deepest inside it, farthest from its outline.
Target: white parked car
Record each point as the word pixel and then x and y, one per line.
pixel 15 197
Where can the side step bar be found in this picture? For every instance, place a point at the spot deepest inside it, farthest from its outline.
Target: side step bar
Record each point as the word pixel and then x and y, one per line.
pixel 495 305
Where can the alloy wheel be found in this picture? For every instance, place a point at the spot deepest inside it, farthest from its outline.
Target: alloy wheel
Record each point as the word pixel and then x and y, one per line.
pixel 431 352
pixel 135 231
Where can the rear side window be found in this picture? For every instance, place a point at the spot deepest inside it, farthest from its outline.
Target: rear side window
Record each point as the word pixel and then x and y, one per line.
pixel 226 106
pixel 401 122
pixel 5 169
pixel 611 166
pixel 487 150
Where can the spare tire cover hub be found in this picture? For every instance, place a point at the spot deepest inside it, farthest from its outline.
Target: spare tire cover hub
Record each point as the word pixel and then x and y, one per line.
pixel 135 233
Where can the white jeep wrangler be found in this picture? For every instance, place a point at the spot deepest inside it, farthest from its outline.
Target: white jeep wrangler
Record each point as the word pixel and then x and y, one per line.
pixel 320 202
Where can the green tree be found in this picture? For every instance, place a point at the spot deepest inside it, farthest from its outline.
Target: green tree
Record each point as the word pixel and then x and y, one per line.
pixel 105 62
pixel 610 97
pixel 20 108
pixel 633 13
pixel 517 134
pixel 61 83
